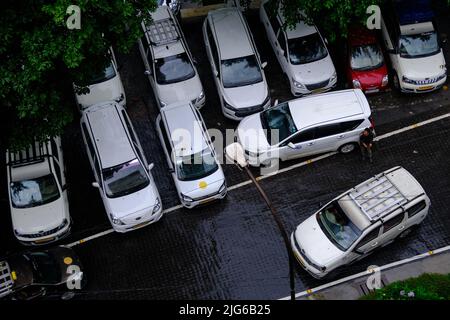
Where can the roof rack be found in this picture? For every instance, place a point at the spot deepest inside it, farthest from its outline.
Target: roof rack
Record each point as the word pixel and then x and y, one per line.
pixel 162 32
pixel 36 152
pixel 378 197
pixel 6 281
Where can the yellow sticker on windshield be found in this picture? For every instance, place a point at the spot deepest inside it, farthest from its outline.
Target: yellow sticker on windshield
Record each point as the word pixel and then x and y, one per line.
pixel 68 260
pixel 202 184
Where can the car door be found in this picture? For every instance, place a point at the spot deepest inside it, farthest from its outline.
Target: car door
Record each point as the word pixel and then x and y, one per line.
pixel 271 24
pixel 91 154
pixel 302 145
pixel 392 228
pixel 213 56
pixel 368 242
pixel 165 143
pixel 148 60
pixel 282 50
pixel 328 137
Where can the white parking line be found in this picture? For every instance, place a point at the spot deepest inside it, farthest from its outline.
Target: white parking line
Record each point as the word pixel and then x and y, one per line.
pixel 365 273
pixel 295 166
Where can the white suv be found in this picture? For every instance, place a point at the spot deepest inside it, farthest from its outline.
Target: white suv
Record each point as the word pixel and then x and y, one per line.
pixel 190 155
pixel 168 62
pixel 367 217
pixel 412 43
pixel 306 126
pixel 38 193
pixel 235 62
pixel 122 174
pixel 301 52
pixel 105 86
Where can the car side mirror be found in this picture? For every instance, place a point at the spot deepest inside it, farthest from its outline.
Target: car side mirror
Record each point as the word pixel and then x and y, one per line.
pixel 264 64
pixel 216 73
pixel 326 41
pixel 282 52
pixel 292 146
pixel 151 166
pixel 275 103
pixel 95 185
pixel 147 72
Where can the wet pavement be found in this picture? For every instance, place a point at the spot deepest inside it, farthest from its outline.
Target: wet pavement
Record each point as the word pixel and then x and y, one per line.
pixel 232 249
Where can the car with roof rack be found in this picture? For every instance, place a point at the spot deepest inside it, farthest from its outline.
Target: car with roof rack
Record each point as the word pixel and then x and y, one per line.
pixel 37 192
pixel 412 42
pixel 301 51
pixel 354 224
pixel 169 64
pixel 122 175
pixel 52 273
pixel 190 155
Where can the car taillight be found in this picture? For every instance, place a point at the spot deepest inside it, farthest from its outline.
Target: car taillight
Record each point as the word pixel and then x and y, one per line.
pixel 372 123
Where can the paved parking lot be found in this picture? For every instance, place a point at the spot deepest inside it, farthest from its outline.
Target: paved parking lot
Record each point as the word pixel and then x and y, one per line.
pixel 232 249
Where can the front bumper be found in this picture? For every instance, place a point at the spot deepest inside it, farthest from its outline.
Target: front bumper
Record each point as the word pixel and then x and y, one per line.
pixel 204 200
pixel 50 238
pixel 302 261
pixel 413 88
pixel 238 115
pixel 141 224
pixel 298 92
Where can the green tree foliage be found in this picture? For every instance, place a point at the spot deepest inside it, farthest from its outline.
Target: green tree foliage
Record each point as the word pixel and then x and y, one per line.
pixel 41 58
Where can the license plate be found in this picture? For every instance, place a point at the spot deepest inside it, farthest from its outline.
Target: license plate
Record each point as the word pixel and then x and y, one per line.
pixel 206 201
pixel 372 90
pixel 140 225
pixel 44 240
pixel 425 88
pixel 318 90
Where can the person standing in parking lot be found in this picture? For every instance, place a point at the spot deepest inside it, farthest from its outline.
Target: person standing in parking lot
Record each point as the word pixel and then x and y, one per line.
pixel 366 144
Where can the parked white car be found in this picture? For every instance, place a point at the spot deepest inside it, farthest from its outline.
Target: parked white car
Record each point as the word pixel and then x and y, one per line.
pixel 301 52
pixel 412 43
pixel 354 224
pixel 314 124
pixel 236 64
pixel 38 193
pixel 106 86
pixel 122 174
pixel 168 61
pixel 190 154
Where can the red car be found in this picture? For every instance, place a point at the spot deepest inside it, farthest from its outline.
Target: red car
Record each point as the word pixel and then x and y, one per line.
pixel 366 67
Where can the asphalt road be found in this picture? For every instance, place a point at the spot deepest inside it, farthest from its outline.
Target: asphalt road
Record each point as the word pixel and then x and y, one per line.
pixel 232 249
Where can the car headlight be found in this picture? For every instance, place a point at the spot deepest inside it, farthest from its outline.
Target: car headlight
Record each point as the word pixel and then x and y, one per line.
pixel 298 84
pixel 157 206
pixel 333 77
pixel 442 76
pixel 116 220
pixel 120 98
pixel 385 81
pixel 186 198
pixel 163 104
pixel 223 187
pixel 356 84
pixel 200 96
pixel 407 80
pixel 63 224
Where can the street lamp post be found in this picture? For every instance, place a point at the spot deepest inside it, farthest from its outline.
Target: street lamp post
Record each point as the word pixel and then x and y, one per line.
pixel 235 153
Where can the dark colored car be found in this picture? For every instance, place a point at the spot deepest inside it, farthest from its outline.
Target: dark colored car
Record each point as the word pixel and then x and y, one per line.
pixel 366 67
pixel 53 273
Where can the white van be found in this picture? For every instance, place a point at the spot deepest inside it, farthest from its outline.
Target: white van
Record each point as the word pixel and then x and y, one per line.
pixel 354 224
pixel 315 124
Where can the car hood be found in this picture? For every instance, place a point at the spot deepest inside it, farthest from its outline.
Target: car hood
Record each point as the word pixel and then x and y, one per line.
pixel 421 68
pixel 99 92
pixel 246 96
pixel 181 91
pixel 251 134
pixel 317 247
pixel 370 78
pixel 132 203
pixel 213 184
pixel 41 218
pixel 314 72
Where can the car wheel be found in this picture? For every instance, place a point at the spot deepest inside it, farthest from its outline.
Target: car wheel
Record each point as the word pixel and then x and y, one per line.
pixel 406 233
pixel 396 81
pixel 67 295
pixel 347 148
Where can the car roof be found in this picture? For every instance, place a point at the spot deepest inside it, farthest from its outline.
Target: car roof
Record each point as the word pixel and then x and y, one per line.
pixel 181 120
pixel 301 29
pixel 360 36
pixel 162 19
pixel 109 134
pixel 231 33
pixel 327 107
pixel 411 29
pixel 31 162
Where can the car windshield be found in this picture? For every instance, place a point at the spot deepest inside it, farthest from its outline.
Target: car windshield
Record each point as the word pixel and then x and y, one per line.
pixel 125 179
pixel 196 166
pixel 105 75
pixel 306 49
pixel 419 45
pixel 278 120
pixel 240 72
pixel 34 192
pixel 45 268
pixel 337 226
pixel 174 69
pixel 366 57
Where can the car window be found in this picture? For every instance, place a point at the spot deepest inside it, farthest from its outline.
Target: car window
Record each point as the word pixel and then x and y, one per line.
pixel 303 136
pixel 273 21
pixel 282 41
pixel 392 223
pixel 212 45
pixel 350 125
pixel 415 209
pixel 328 130
pixel 54 148
pixel 129 127
pixel 166 140
pixel 372 235
pixel 57 171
